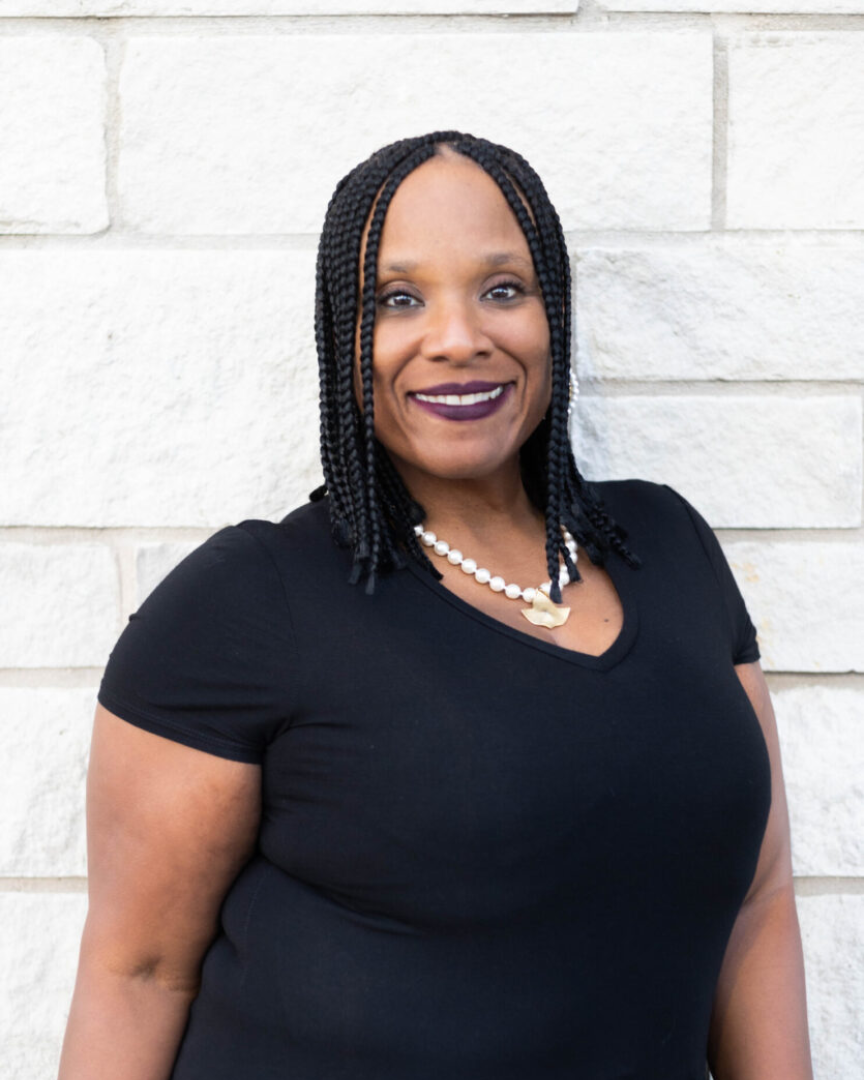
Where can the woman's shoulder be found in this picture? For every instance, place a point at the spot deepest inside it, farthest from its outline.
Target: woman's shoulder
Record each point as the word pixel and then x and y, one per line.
pixel 305 523
pixel 655 513
pixel 303 527
pixel 239 566
pixel 300 543
pixel 635 497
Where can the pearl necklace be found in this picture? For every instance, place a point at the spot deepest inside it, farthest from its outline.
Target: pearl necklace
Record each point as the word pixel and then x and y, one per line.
pixel 543 612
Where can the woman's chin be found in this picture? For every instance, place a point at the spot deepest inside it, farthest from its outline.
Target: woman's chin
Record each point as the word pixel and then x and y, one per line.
pixel 461 466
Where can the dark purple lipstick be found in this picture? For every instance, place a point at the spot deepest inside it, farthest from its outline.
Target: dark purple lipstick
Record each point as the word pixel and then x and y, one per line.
pixel 462 401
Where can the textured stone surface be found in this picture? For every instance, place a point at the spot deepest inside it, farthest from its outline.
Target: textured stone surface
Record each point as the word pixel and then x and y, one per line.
pixel 52 106
pixel 224 134
pixel 796 131
pixel 832 933
pixel 190 398
pixel 39 940
pixel 60 604
pixel 722 308
pixel 153 562
pixel 807 600
pixel 45 733
pixel 773 461
pixel 284 7
pixel 750 7
pixel 822 744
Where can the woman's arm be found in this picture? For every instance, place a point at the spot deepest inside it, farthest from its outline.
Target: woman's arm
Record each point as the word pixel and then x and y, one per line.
pixel 168 829
pixel 759 1022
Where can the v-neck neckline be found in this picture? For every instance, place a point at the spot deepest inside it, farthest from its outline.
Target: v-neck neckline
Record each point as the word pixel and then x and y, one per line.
pixel 601 662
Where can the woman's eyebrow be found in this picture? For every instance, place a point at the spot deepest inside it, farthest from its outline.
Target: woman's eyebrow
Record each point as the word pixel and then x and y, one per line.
pixel 498 258
pixel 501 257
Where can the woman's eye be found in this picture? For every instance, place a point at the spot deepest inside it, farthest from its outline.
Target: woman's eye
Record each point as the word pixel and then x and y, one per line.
pixel 397 294
pixel 398 298
pixel 513 287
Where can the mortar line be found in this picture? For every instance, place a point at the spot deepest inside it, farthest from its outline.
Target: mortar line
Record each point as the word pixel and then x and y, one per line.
pixel 719 164
pixel 579 241
pixel 587 19
pixel 114 45
pixel 829 886
pixel 43 884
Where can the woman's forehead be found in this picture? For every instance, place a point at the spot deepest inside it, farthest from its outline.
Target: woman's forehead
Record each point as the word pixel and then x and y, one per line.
pixel 448 202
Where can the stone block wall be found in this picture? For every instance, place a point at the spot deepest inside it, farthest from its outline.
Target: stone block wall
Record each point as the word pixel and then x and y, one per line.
pixel 164 169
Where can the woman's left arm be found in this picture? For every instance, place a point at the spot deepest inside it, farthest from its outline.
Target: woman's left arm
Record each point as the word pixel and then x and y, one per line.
pixel 759 1020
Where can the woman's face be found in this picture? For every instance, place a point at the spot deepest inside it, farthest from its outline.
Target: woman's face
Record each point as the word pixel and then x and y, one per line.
pixel 461 361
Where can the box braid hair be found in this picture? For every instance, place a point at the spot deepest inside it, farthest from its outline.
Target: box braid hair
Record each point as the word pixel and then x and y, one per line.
pixel 371 510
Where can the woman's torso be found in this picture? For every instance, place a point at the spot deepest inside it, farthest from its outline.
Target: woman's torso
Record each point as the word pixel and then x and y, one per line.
pixel 481 854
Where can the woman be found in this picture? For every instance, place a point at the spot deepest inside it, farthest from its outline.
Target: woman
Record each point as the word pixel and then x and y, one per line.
pixel 460 821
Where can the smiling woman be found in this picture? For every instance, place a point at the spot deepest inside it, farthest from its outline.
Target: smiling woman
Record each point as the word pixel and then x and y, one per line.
pixel 512 810
pixel 470 305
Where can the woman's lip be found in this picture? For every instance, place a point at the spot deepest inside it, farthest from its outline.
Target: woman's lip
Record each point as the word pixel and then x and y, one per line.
pixel 475 387
pixel 477 411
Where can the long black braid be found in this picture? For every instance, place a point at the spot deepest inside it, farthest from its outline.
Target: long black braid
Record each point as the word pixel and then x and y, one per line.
pixel 371 510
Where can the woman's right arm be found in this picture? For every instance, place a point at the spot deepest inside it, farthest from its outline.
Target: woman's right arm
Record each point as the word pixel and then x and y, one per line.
pixel 168 830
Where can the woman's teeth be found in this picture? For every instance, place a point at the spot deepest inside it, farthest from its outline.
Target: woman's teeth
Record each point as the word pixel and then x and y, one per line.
pixel 460 399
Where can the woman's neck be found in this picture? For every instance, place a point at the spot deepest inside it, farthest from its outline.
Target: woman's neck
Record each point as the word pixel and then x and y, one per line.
pixel 481 508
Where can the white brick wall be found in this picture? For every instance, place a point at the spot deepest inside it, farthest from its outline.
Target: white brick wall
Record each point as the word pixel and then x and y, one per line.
pixel 52 111
pixel 162 182
pixel 283 7
pixel 214 349
pixel 800 166
pixel 39 939
pixel 212 139
pixel 731 306
pixel 46 733
pixel 783 460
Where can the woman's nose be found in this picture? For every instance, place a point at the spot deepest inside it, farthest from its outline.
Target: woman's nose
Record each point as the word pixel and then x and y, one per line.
pixel 454 332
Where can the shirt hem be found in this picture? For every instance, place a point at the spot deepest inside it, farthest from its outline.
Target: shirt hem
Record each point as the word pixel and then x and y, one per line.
pixel 159 726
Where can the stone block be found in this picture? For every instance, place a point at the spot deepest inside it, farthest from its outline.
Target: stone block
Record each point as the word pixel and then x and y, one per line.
pixel 52 115
pixel 833 940
pixel 46 742
pixel 237 135
pixel 822 746
pixel 183 386
pixel 796 131
pixel 40 935
pixel 807 600
pixel 782 460
pixel 60 604
pixel 723 308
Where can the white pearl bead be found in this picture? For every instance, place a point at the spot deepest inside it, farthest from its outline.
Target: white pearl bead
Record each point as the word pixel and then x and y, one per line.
pixel 571 546
pixel 546 587
pixel 418 530
pixel 482 575
pixel 564 576
pixel 497 584
pixel 568 536
pixel 512 592
pixel 441 547
pixel 528 595
pixel 429 538
pixel 469 566
pixel 454 555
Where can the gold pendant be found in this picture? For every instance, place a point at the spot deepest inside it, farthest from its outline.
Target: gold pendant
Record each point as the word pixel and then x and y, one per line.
pixel 544 613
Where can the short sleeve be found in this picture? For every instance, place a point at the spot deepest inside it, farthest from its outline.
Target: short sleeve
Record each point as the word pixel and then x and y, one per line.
pixel 742 633
pixel 207 658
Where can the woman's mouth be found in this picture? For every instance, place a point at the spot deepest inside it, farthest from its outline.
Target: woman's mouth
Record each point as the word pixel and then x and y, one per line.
pixel 473 401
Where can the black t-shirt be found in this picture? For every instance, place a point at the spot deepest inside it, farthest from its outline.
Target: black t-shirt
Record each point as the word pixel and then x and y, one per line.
pixel 482 856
